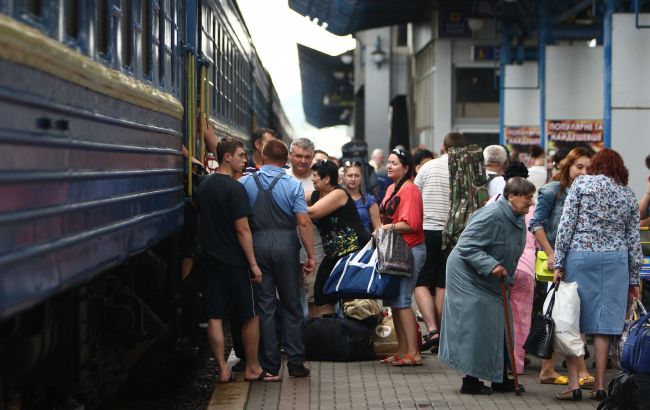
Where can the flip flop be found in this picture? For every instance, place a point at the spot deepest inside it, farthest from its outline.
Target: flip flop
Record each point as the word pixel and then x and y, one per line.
pixel 587 381
pixel 264 377
pixel 231 379
pixel 560 380
pixel 407 360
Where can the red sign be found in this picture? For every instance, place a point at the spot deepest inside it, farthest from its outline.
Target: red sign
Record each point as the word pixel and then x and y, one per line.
pixel 575 130
pixel 522 135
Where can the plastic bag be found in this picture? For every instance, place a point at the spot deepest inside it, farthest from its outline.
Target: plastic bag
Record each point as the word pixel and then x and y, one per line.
pixel 566 315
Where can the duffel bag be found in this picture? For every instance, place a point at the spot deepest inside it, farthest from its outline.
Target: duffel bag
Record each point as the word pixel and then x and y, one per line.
pixel 356 276
pixel 627 391
pixel 636 350
pixel 336 339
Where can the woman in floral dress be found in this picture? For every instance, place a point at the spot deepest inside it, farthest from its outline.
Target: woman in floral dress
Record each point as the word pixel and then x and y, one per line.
pixel 598 246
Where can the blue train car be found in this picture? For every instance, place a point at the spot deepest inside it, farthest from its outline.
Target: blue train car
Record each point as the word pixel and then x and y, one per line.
pixel 97 98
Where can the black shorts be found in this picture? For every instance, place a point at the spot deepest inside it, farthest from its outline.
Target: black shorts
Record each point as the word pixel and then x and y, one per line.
pixel 433 273
pixel 228 290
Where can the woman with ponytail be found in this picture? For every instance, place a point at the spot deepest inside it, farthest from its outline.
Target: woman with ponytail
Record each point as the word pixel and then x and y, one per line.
pixel 401 211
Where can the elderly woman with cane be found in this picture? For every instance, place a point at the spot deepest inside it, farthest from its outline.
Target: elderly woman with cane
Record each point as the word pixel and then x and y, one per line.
pixel 473 334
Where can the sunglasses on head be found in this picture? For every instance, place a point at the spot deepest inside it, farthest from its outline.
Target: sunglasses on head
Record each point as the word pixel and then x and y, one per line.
pixel 352 163
pixel 398 152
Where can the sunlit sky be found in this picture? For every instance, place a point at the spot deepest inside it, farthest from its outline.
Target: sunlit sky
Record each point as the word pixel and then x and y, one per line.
pixel 276 29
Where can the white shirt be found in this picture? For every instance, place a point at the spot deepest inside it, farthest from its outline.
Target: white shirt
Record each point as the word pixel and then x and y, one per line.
pixel 537 175
pixel 496 185
pixel 433 181
pixel 308 186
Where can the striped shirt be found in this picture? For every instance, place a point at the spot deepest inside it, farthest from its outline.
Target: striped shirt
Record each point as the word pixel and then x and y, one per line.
pixel 433 181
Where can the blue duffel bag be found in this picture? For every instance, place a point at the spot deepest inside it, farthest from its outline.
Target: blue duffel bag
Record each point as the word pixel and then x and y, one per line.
pixel 355 276
pixel 636 350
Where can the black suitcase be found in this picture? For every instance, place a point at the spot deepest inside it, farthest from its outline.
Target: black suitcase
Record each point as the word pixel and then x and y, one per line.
pixel 627 391
pixel 336 339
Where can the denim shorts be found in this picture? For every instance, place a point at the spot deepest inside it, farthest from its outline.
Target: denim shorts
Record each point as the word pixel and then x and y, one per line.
pixel 406 285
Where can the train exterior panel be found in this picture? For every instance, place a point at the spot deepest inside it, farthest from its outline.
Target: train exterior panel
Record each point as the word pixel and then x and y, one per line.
pixel 89 155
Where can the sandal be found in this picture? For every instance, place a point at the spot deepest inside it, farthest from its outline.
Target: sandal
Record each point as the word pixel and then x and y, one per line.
pixel 428 340
pixel 264 377
pixel 587 381
pixel 231 379
pixel 390 359
pixel 560 380
pixel 407 360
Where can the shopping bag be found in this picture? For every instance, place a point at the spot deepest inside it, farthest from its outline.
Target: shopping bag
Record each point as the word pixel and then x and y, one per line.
pixel 394 255
pixel 635 312
pixel 355 276
pixel 566 316
pixel 540 338
pixel 542 272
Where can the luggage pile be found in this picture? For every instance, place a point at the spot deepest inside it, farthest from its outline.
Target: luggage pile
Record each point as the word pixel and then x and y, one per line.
pixel 366 332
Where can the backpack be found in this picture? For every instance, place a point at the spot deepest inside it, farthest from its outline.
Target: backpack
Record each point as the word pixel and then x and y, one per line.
pixel 467 191
pixel 627 391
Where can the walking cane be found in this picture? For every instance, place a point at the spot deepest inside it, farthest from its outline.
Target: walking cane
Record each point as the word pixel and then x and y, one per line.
pixel 511 350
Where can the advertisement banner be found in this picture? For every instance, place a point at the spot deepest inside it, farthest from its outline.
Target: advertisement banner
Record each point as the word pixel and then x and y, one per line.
pixel 589 131
pixel 522 135
pixel 568 134
pixel 520 139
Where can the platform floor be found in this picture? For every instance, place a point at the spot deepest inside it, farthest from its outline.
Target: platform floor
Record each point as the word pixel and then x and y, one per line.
pixel 372 385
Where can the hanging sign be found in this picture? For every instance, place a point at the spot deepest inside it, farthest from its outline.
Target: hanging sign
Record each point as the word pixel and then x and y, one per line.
pixel 522 135
pixel 589 131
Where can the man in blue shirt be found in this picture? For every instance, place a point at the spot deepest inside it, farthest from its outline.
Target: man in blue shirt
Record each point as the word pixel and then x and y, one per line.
pixel 279 206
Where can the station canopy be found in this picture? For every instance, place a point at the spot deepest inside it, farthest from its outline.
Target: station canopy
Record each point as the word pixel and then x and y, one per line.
pixel 327 88
pixel 345 17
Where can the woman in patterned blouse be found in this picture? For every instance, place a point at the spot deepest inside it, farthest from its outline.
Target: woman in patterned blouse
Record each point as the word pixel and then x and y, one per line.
pixel 598 246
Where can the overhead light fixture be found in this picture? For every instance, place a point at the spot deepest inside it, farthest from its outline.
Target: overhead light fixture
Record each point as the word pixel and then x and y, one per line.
pixel 593 43
pixel 475 24
pixel 347 58
pixel 378 55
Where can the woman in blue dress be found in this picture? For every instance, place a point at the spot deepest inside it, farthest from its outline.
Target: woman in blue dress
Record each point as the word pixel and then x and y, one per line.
pixel 598 246
pixel 366 204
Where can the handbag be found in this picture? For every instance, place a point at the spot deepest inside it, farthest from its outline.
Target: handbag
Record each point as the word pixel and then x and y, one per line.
pixel 540 339
pixel 542 272
pixel 355 276
pixel 636 310
pixel 394 255
pixel 636 349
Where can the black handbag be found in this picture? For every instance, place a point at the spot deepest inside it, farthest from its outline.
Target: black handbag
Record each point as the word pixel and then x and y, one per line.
pixel 540 339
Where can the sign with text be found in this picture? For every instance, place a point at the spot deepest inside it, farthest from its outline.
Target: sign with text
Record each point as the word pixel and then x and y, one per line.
pixel 589 131
pixel 522 135
pixel 452 24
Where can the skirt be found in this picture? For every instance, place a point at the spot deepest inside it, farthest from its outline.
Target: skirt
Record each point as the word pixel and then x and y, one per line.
pixel 603 282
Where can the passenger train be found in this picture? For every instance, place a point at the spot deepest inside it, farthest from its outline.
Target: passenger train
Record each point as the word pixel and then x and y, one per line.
pixel 96 98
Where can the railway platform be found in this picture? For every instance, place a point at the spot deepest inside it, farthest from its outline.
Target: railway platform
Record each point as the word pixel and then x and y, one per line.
pixel 372 385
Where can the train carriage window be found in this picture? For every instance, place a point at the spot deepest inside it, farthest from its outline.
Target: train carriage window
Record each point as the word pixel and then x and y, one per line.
pixel 145 39
pixel 155 46
pixel 34 8
pixel 102 27
pixel 126 27
pixel 71 18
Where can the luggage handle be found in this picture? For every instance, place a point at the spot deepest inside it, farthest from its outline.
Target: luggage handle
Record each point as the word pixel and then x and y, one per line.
pixel 549 309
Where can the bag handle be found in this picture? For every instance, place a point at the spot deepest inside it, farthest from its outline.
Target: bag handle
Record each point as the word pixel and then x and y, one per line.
pixel 362 251
pixel 639 324
pixel 549 309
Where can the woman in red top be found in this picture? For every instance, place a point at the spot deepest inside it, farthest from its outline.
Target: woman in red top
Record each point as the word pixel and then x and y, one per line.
pixel 402 212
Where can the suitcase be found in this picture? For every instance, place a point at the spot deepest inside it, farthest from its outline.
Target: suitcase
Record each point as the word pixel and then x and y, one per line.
pixel 636 350
pixel 627 391
pixel 336 339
